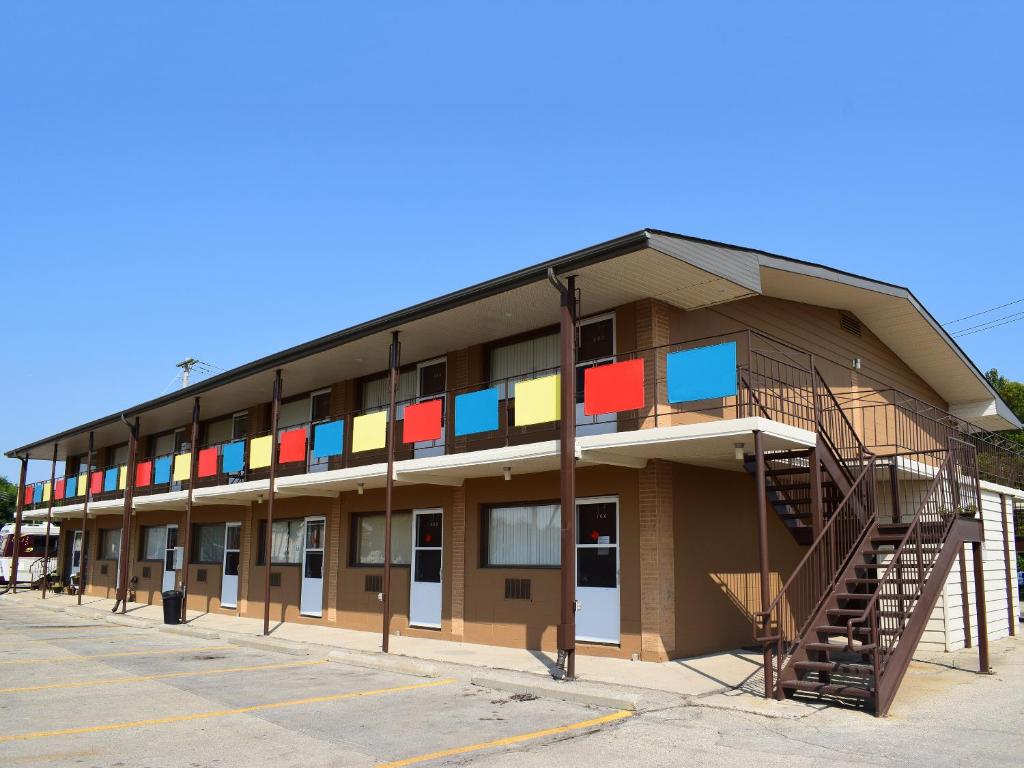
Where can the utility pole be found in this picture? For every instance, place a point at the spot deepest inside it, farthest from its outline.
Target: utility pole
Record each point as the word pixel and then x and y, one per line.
pixel 186 368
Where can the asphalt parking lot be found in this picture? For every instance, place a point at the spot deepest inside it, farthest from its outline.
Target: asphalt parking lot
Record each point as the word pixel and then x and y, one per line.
pixel 77 692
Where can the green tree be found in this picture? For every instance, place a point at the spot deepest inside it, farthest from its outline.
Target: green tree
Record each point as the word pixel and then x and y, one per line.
pixel 8 500
pixel 1012 393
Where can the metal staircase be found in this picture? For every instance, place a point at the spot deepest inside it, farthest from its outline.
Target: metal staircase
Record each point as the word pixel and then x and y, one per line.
pixel 845 624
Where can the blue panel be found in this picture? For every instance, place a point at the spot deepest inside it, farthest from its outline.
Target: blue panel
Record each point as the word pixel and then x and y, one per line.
pixel 110 479
pixel 233 455
pixel 329 439
pixel 37 494
pixel 162 470
pixel 71 488
pixel 476 412
pixel 702 373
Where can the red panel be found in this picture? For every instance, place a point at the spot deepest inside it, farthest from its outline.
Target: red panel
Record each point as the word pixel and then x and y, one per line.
pixel 29 492
pixel 613 388
pixel 96 482
pixel 422 421
pixel 58 489
pixel 293 446
pixel 143 474
pixel 207 462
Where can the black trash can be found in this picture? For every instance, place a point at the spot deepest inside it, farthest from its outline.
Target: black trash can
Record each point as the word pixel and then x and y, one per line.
pixel 172 606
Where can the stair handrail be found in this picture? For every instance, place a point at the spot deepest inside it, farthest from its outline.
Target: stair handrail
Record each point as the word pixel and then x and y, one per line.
pixel 829 559
pixel 947 515
pixel 824 392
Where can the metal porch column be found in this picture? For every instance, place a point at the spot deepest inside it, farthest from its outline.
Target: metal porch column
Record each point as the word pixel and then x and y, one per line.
pixel 126 516
pixel 85 519
pixel 762 540
pixel 19 507
pixel 186 532
pixel 49 521
pixel 394 359
pixel 979 596
pixel 275 412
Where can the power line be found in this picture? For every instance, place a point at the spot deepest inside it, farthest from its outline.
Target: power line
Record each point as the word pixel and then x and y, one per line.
pixel 990 327
pixel 981 326
pixel 984 312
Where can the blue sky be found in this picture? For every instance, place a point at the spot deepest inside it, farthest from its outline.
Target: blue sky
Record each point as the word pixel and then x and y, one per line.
pixel 222 180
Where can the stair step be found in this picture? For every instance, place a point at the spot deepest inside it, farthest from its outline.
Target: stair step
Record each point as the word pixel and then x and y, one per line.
pixel 862 596
pixel 786 471
pixel 827 689
pixel 845 611
pixel 836 648
pixel 833 667
pixel 858 631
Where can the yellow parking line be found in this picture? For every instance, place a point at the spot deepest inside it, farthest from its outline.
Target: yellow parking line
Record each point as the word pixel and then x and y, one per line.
pixel 161 676
pixel 16 643
pixel 220 712
pixel 621 714
pixel 158 652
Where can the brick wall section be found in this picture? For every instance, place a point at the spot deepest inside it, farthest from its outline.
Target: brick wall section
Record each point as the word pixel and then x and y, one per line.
pixel 248 541
pixel 652 330
pixel 334 555
pixel 657 562
pixel 458 555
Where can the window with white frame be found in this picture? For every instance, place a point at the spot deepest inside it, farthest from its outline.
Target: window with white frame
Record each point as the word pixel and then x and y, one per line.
pixel 514 361
pixel 368 538
pixel 110 544
pixel 524 535
pixel 375 391
pixel 207 543
pixel 154 542
pixel 285 543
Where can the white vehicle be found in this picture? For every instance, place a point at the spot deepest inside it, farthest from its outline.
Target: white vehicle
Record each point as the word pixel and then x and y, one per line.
pixel 31 552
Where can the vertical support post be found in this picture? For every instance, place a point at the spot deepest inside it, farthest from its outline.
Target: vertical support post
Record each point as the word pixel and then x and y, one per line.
pixel 394 359
pixel 1007 566
pixel 49 521
pixel 894 489
pixel 762 541
pixel 85 519
pixel 965 602
pixel 275 412
pixel 19 507
pixel 979 597
pixel 186 531
pixel 126 517
pixel 567 453
pixel 817 497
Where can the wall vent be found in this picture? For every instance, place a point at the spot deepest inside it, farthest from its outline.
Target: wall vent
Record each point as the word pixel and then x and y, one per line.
pixel 146 571
pixel 201 575
pixel 373 583
pixel 517 589
pixel 849 323
pixel 275 579
pixel 103 569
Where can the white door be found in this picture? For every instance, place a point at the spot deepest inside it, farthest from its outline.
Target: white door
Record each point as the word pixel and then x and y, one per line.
pixel 170 573
pixel 229 576
pixel 311 602
pixel 431 382
pixel 597 569
pixel 76 553
pixel 425 584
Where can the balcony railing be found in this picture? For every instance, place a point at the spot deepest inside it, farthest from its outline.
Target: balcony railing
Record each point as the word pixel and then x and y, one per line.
pixel 727 376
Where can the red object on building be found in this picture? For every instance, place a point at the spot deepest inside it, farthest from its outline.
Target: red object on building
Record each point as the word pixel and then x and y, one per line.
pixel 29 493
pixel 293 446
pixel 96 482
pixel 58 489
pixel 422 421
pixel 207 462
pixel 143 474
pixel 613 388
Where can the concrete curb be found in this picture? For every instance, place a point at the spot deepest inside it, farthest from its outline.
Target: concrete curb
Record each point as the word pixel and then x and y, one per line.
pixel 182 629
pixel 574 692
pixel 401 664
pixel 266 644
pixel 125 621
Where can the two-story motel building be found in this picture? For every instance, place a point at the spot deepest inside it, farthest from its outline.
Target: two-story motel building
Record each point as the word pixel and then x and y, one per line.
pixel 729 404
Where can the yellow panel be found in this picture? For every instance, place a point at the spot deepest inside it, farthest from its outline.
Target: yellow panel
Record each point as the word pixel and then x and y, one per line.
pixel 46 491
pixel 369 432
pixel 538 400
pixel 182 467
pixel 259 452
pixel 82 486
pixel 122 477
